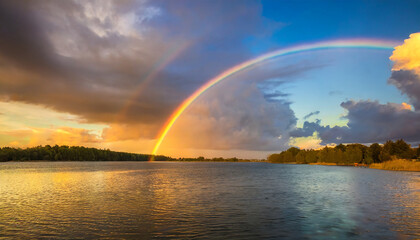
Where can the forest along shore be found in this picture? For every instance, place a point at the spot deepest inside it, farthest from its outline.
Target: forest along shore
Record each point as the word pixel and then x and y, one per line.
pixel 397 155
pixel 76 153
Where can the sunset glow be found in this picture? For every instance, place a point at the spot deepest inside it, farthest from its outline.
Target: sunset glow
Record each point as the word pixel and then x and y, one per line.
pixel 212 80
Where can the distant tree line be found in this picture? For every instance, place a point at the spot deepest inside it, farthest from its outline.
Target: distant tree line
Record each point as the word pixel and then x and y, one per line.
pixel 217 159
pixel 66 153
pixel 349 154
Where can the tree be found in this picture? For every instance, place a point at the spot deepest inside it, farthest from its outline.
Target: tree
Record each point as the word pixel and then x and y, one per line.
pixel 294 151
pixel 418 152
pixel 341 147
pixel 375 150
pixel 354 154
pixel 300 157
pixel 403 150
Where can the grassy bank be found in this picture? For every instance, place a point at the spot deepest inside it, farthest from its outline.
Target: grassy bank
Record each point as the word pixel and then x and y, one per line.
pixel 397 165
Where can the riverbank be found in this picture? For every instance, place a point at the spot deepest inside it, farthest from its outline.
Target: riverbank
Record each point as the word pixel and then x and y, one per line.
pixel 214 160
pixel 393 165
pixel 397 165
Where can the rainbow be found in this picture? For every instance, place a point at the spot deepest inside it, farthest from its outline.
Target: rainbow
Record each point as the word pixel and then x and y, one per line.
pixel 345 43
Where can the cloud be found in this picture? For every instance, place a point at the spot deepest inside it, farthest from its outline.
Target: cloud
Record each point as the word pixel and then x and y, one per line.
pixel 311 114
pixel 310 142
pixel 406 69
pixel 74 57
pixel 368 121
pixel 72 136
pixel 23 41
pixel 407 55
pixel 88 57
pixel 408 82
pixel 308 129
pixel 234 115
pixel 243 112
pixel 275 96
pixel 121 132
pixel 61 136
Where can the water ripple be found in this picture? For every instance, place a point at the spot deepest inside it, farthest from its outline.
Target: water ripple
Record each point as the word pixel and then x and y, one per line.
pixel 132 200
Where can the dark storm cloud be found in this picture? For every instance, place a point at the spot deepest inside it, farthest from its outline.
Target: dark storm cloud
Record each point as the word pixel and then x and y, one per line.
pixel 53 58
pixel 22 39
pixel 311 114
pixel 408 83
pixel 87 57
pixel 368 121
pixel 308 129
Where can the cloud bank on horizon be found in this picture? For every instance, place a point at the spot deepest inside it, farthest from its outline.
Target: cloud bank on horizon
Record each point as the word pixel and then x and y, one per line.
pixel 109 73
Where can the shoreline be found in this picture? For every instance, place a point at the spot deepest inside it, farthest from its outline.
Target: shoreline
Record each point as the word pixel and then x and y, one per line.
pixel 393 165
pixel 397 165
pixel 239 161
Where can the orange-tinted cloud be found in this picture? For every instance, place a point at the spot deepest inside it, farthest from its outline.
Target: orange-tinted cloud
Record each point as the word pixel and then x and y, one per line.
pixel 73 136
pixel 311 142
pixel 406 70
pixel 61 136
pixel 406 106
pixel 233 115
pixel 407 55
pixel 121 132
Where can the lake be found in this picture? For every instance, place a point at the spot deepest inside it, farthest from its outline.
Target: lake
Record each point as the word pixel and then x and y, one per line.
pixel 202 200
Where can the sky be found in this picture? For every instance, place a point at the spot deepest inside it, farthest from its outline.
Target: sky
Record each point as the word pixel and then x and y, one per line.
pixel 110 74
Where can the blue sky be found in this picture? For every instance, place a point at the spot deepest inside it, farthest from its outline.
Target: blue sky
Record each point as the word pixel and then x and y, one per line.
pixel 350 74
pixel 319 20
pixel 347 74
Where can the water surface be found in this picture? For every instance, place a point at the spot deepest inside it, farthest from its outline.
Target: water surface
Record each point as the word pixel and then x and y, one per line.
pixel 135 200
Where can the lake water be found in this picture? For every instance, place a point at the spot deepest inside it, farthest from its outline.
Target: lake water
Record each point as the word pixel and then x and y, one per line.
pixel 141 200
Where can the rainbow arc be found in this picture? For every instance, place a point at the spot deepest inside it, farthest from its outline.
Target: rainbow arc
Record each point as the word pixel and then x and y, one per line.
pixel 346 43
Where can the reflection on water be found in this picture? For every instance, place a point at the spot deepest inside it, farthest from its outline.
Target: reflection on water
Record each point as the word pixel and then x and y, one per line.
pixel 206 200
